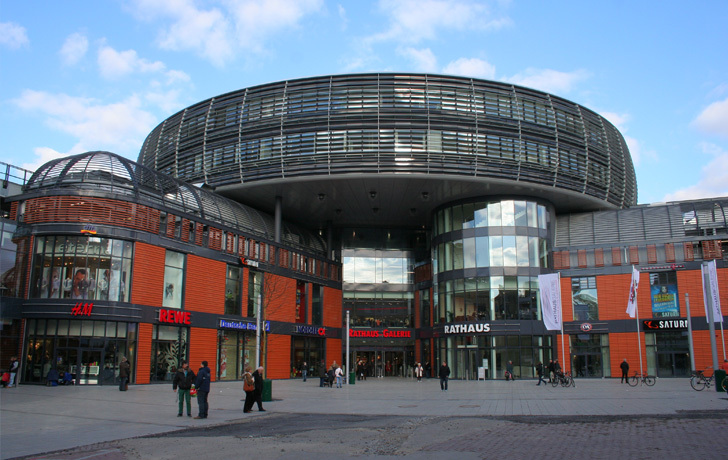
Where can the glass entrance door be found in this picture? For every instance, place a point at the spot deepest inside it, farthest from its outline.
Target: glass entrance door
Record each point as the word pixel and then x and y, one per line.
pixel 587 365
pixel 84 364
pixel 673 364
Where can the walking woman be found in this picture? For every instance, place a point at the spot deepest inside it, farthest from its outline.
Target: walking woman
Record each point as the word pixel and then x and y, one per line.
pixel 249 388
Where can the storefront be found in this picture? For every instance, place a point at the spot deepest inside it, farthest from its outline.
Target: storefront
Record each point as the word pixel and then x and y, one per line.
pixel 89 350
pixel 308 345
pixel 482 350
pixel 236 348
pixel 668 351
pixel 383 352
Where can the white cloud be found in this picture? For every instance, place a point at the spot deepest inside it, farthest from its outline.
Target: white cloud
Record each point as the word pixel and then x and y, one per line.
pixel 636 149
pixel 713 119
pixel 342 16
pixel 713 180
pixel 424 60
pixel 13 35
pixel 471 67
pixel 412 21
pixel 548 80
pixel 117 64
pixel 118 127
pixel 218 33
pixel 73 49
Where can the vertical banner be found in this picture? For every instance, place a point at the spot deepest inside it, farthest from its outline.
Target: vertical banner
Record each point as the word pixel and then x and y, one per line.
pixel 632 302
pixel 714 294
pixel 550 291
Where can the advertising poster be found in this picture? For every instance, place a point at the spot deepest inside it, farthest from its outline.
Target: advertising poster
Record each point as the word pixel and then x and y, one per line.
pixel 664 300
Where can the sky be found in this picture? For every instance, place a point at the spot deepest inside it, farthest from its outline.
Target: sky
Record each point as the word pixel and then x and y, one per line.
pixel 100 75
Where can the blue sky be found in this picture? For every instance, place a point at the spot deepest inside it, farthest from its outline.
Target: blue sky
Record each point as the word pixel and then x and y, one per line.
pixel 100 75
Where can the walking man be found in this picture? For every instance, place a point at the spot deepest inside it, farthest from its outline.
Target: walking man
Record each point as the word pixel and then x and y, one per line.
pixel 304 371
pixel 444 375
pixel 202 384
pixel 14 366
pixel 183 379
pixel 539 372
pixel 258 393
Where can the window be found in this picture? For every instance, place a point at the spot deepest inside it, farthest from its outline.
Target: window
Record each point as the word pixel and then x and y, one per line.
pixel 86 267
pixel 317 305
pixel 584 298
pixel 255 291
pixel 232 291
pixel 174 264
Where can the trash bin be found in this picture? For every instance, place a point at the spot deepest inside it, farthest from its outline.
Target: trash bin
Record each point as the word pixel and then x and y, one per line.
pixel 719 377
pixel 352 378
pixel 267 390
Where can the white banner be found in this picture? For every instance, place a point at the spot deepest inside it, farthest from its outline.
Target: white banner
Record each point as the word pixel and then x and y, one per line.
pixel 632 302
pixel 550 290
pixel 712 272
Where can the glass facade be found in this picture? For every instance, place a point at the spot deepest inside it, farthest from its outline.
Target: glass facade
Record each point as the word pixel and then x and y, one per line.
pixel 83 267
pixel 590 355
pixel 465 354
pixel 90 350
pixel 584 298
pixel 236 349
pixel 170 346
pixel 174 273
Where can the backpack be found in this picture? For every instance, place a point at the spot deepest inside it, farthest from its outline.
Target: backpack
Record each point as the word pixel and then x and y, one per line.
pixel 248 383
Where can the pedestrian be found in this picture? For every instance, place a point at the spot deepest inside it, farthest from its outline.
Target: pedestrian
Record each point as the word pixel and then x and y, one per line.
pixel 249 388
pixel 557 368
pixel 14 366
pixel 183 380
pixel 428 369
pixel 202 384
pixel 258 379
pixel 339 374
pixel 124 374
pixel 625 371
pixel 550 369
pixel 444 375
pixel 304 371
pixel 331 376
pixel 419 370
pixel 539 372
pixel 509 371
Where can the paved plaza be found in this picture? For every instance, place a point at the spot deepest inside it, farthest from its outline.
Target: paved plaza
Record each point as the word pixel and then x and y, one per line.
pixel 38 419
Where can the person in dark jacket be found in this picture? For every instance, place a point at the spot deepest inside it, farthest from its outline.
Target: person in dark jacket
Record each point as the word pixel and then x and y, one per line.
pixel 249 395
pixel 258 393
pixel 124 374
pixel 625 371
pixel 539 372
pixel 202 384
pixel 550 369
pixel 444 375
pixel 183 379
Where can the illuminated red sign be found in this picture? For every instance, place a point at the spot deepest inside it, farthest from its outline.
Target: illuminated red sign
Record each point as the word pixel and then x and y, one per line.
pixel 386 333
pixel 82 309
pixel 174 317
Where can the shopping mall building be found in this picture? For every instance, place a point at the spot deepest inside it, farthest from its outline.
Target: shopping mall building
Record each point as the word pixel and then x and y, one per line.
pixel 422 208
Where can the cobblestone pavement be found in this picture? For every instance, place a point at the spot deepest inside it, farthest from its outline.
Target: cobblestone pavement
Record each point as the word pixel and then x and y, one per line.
pixel 384 418
pixel 285 436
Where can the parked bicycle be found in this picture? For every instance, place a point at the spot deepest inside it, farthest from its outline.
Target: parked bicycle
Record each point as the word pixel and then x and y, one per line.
pixel 699 381
pixel 639 377
pixel 565 380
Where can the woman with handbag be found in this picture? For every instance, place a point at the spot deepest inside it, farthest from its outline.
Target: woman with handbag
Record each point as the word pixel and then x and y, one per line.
pixel 249 389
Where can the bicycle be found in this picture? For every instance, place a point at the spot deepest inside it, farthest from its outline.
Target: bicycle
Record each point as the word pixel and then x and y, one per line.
pixel 639 377
pixel 699 381
pixel 565 380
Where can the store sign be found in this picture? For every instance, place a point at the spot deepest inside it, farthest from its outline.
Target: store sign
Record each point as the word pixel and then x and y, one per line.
pixel 174 316
pixel 667 324
pixel 309 330
pixel 585 327
pixel 89 229
pixel 467 328
pixel 385 333
pixel 242 325
pixel 249 263
pixel 82 309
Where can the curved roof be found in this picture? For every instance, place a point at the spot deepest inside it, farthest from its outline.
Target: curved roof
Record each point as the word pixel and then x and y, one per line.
pixel 343 136
pixel 107 172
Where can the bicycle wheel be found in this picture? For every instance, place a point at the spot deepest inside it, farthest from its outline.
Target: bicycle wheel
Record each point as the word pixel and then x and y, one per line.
pixel 555 382
pixel 697 382
pixel 572 382
pixel 633 381
pixel 649 380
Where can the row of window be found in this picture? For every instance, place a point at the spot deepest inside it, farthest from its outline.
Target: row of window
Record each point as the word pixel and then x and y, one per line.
pixel 506 213
pixel 490 251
